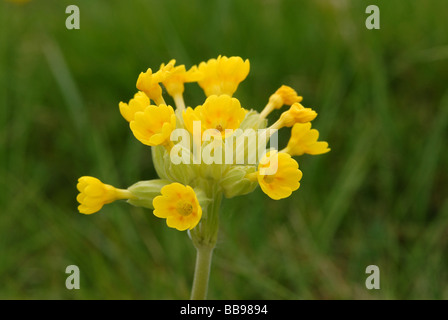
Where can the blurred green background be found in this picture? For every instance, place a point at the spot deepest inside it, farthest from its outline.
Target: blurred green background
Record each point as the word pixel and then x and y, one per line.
pixel 379 197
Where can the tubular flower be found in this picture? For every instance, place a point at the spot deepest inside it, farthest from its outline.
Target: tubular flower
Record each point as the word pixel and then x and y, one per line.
pixel 278 175
pixel 149 82
pixel 218 112
pixel 296 114
pixel 179 205
pixel 283 95
pixel 153 127
pixel 304 140
pixel 94 194
pixel 222 75
pixel 177 76
pixel 138 103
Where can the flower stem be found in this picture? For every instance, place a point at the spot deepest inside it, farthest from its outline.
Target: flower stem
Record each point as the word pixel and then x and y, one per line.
pixel 179 101
pixel 204 238
pixel 266 111
pixel 201 272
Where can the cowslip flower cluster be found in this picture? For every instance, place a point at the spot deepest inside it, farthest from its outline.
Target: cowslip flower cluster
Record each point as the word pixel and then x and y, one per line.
pixel 215 150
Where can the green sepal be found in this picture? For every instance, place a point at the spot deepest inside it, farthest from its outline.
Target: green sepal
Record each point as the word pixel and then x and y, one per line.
pixel 202 197
pixel 145 192
pixel 234 183
pixel 253 121
pixel 159 155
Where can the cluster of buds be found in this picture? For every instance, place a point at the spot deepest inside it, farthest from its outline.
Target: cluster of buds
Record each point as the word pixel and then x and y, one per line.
pixel 214 150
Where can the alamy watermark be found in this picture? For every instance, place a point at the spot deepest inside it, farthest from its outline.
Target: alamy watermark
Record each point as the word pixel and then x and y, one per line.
pixel 373 280
pixel 212 146
pixel 72 21
pixel 373 20
pixel 72 281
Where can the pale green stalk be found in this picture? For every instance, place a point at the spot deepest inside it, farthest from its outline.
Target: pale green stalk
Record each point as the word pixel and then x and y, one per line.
pixel 204 238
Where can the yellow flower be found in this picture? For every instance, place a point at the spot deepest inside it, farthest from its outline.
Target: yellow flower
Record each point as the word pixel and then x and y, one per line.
pixel 153 127
pixel 296 114
pixel 304 140
pixel 217 112
pixel 138 103
pixel 223 75
pixel 177 76
pixel 149 82
pixel 278 175
pixel 94 194
pixel 283 95
pixel 179 205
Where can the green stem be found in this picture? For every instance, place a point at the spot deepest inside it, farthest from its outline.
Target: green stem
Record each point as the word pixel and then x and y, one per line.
pixel 204 238
pixel 201 272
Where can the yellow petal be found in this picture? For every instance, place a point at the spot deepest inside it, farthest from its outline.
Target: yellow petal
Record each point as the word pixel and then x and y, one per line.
pixel 281 183
pixel 304 140
pixel 154 126
pixel 179 205
pixel 222 75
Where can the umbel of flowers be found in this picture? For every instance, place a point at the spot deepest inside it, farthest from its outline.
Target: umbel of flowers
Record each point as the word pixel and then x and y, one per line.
pixel 191 186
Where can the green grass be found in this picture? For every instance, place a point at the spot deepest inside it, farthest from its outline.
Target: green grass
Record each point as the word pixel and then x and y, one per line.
pixel 379 197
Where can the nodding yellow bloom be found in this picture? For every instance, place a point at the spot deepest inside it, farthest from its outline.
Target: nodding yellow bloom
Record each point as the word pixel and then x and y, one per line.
pixel 179 205
pixel 283 95
pixel 217 112
pixel 296 114
pixel 136 104
pixel 149 82
pixel 177 76
pixel 223 75
pixel 153 127
pixel 278 175
pixel 94 194
pixel 304 140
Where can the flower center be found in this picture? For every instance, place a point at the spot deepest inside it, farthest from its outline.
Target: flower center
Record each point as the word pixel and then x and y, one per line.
pixel 184 208
pixel 269 178
pixel 219 128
